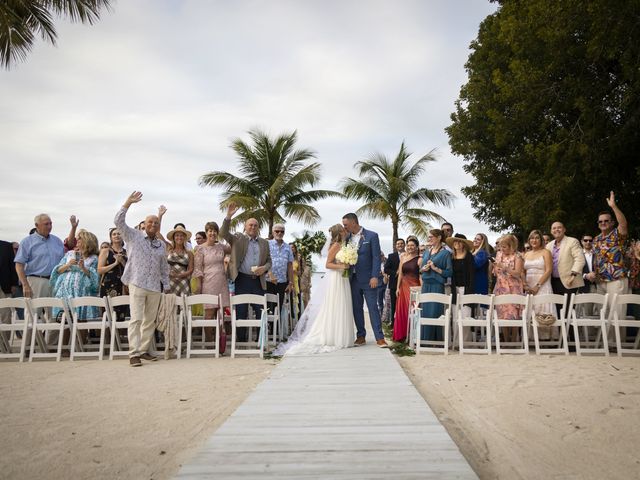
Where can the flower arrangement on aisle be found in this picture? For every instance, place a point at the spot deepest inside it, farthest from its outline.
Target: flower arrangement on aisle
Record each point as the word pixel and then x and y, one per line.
pixel 348 254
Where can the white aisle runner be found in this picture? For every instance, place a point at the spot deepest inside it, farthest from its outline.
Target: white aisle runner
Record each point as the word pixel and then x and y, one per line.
pixel 350 414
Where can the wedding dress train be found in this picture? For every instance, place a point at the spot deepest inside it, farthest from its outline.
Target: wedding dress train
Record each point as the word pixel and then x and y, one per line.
pixel 327 322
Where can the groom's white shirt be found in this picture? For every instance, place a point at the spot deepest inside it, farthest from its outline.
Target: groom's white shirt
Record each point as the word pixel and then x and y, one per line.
pixel 355 238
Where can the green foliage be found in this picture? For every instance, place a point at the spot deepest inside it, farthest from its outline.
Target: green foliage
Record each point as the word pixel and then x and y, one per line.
pixel 548 121
pixel 21 21
pixel 310 244
pixel 390 191
pixel 274 181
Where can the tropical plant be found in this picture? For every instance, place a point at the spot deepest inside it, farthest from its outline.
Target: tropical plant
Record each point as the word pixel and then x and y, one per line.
pixel 21 21
pixel 390 191
pixel 274 181
pixel 310 243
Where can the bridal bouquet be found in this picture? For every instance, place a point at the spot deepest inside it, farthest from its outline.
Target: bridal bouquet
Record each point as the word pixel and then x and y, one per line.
pixel 348 254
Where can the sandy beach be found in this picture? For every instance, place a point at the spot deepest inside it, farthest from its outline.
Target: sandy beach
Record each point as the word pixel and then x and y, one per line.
pixel 537 417
pixel 91 419
pixel 512 417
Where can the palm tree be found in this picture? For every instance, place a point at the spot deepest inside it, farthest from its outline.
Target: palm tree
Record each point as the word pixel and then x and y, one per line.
pixel 275 181
pixel 389 190
pixel 22 20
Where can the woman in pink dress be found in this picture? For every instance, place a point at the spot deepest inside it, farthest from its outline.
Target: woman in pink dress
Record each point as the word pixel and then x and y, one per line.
pixel 508 269
pixel 209 270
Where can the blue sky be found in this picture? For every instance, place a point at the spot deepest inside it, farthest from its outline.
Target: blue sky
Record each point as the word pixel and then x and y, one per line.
pixel 150 97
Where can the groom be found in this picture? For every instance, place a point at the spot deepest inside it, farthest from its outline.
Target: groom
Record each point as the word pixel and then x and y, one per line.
pixel 364 279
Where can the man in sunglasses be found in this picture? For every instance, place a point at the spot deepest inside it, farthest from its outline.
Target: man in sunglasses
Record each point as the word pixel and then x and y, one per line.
pixel 610 272
pixel 280 279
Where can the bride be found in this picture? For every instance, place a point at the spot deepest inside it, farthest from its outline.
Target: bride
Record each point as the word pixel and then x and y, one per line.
pixel 327 322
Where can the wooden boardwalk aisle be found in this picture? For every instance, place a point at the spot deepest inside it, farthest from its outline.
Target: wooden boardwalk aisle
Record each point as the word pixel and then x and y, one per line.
pixel 351 414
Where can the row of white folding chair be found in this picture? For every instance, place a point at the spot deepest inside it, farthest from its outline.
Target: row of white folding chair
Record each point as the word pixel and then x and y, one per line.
pixel 17 328
pixel 619 302
pixel 216 323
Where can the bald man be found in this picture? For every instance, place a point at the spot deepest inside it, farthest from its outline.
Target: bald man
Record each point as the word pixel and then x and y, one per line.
pixel 250 261
pixel 147 275
pixel 568 261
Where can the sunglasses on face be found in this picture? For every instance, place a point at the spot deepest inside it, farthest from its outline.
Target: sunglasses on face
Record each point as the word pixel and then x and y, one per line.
pixel 587 240
pixel 278 231
pixel 603 222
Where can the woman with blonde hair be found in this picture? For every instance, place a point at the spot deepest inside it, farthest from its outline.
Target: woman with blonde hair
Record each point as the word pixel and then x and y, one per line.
pixel 180 261
pixel 508 269
pixel 327 322
pixel 77 273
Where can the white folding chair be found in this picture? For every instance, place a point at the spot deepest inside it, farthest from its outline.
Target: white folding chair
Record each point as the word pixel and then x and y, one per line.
pixel 550 346
pixel 598 321
pixel 194 321
pixel 274 318
pixel 620 300
pixel 116 347
pixel 79 347
pixel 443 321
pixel 521 347
pixel 249 323
pixel 9 331
pixel 466 345
pixel 159 347
pixel 39 309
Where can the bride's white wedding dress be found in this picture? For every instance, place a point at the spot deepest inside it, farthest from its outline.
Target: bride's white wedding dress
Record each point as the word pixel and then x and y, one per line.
pixel 327 322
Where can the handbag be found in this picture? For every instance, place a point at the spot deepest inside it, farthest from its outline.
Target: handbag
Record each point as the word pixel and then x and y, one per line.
pixel 222 338
pixel 545 319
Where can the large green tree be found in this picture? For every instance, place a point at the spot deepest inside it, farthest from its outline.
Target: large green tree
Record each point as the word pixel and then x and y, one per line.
pixel 549 120
pixel 274 181
pixel 22 21
pixel 389 190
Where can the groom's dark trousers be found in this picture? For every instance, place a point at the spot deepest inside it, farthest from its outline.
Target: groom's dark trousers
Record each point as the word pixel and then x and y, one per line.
pixel 361 292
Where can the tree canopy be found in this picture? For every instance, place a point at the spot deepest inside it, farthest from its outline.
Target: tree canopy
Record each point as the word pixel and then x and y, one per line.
pixel 549 120
pixel 22 21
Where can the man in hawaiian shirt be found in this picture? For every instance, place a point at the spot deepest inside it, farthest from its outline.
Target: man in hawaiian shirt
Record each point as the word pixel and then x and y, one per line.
pixel 610 273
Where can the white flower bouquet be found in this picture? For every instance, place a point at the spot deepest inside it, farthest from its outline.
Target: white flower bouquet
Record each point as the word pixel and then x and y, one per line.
pixel 348 254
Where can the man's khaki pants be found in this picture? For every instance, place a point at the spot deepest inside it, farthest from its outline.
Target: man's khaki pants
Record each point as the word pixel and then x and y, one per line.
pixel 41 288
pixel 620 287
pixel 144 310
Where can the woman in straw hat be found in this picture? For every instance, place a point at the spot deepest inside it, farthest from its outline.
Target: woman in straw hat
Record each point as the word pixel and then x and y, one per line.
pixel 462 280
pixel 180 261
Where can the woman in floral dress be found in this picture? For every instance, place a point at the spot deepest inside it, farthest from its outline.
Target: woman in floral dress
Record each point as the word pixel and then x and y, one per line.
pixel 508 270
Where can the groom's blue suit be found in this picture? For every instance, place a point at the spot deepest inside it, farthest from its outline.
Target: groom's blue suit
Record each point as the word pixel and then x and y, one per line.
pixel 368 267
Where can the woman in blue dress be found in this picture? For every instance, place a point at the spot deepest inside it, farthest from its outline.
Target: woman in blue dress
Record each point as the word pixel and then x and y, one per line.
pixel 77 274
pixel 435 268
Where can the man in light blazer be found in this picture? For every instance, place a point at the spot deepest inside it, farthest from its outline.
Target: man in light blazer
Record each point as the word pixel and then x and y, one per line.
pixel 250 260
pixel 568 261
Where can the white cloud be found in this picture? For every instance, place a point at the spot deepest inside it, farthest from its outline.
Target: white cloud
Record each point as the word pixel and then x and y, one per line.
pixel 150 97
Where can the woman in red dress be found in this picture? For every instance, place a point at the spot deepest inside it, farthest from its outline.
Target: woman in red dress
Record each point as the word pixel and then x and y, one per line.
pixel 408 276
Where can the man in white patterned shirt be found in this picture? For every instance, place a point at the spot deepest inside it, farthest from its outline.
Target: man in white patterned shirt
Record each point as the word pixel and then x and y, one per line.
pixel 147 275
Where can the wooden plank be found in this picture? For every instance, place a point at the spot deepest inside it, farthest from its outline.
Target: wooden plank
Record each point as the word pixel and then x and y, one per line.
pixel 347 414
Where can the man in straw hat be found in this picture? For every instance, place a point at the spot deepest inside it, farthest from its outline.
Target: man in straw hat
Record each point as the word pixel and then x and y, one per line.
pixel 147 275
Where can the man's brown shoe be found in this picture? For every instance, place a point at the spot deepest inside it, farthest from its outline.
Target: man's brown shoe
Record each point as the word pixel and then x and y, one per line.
pixel 148 357
pixel 359 341
pixel 135 362
pixel 382 343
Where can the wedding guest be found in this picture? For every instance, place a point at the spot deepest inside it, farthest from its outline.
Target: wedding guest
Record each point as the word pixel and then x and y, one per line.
pixel 37 256
pixel 546 238
pixel 382 284
pixel 281 273
pixel 538 266
pixel 408 276
pixel 634 276
pixel 568 261
pixel 147 274
pixel 447 230
pixel 508 269
pixel 210 272
pixel 111 263
pixel 481 254
pixel 589 264
pixel 70 241
pixel 197 310
pixel 463 266
pixel 436 269
pixel 8 277
pixel 297 271
pixel 180 261
pixel 201 237
pixel 76 275
pixel 611 274
pixel 250 260
pixel 188 245
pixel 391 268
